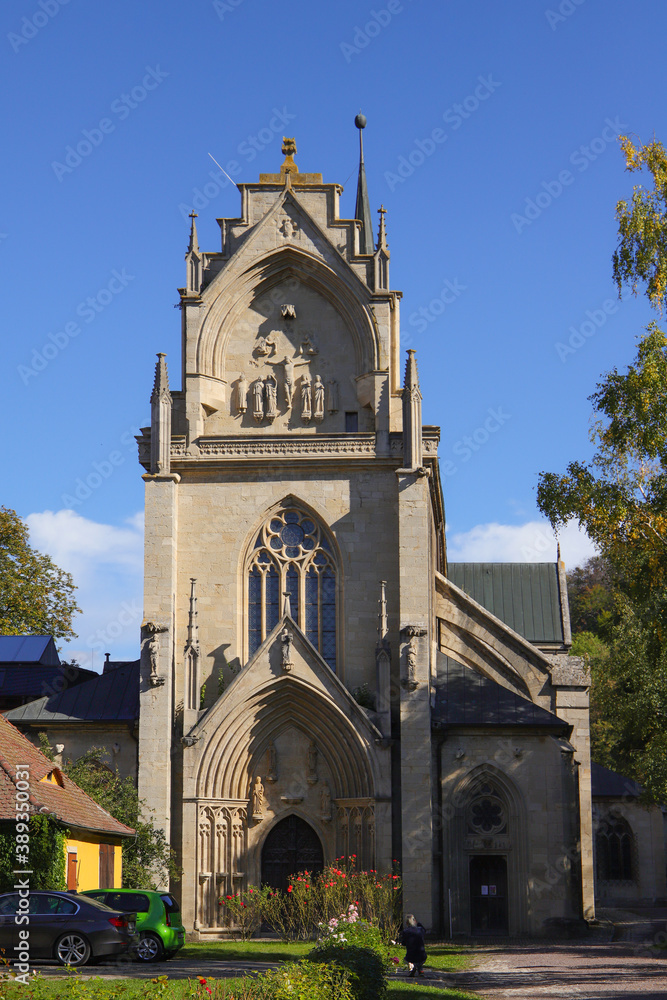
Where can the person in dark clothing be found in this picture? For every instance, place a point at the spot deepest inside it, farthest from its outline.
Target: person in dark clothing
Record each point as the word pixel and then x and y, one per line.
pixel 412 936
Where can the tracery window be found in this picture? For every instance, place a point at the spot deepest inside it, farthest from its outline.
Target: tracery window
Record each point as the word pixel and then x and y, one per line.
pixel 486 813
pixel 293 555
pixel 614 848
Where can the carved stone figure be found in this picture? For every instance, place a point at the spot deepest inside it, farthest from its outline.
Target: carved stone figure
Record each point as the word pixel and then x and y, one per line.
pixel 287 228
pixel 242 393
pixel 287 637
pixel 154 654
pixel 325 803
pixel 270 391
pixel 411 659
pixel 265 346
pixel 332 395
pixel 308 347
pixel 306 398
pixel 318 399
pixel 289 364
pixel 258 400
pixel 271 762
pixel 312 764
pixel 258 799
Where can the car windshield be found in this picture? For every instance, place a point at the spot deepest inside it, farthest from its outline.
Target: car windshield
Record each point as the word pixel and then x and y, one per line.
pixel 96 902
pixel 137 902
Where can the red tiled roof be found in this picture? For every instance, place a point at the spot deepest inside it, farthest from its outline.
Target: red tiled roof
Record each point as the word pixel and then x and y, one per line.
pixel 67 802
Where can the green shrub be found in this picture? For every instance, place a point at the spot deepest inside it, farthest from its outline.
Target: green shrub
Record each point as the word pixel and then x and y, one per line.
pixel 301 981
pixel 365 967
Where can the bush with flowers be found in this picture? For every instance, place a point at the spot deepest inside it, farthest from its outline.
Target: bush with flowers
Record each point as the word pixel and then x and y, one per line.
pixel 244 911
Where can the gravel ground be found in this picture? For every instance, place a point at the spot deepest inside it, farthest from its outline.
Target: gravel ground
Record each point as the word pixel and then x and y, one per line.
pixel 571 971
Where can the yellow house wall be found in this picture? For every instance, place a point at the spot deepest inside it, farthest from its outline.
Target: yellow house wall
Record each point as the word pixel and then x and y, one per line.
pixel 87 849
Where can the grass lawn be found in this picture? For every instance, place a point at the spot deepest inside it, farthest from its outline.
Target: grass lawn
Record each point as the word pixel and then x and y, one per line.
pixel 75 987
pixel 239 951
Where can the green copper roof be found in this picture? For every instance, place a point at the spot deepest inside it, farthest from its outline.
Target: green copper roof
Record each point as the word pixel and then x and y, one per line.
pixel 525 596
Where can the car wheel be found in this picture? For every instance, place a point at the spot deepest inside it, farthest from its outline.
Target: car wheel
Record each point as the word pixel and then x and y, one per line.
pixel 72 949
pixel 149 948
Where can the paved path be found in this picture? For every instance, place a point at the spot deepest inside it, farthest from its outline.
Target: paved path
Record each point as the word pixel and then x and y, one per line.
pixel 571 971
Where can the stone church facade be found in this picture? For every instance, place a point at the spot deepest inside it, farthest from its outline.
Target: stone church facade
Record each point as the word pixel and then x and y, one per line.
pixel 316 681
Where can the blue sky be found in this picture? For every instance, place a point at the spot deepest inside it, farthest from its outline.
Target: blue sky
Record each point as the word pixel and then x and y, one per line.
pixel 491 143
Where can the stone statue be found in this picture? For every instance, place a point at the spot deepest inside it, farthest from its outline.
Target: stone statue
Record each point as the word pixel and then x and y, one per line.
pixel 242 393
pixel 265 346
pixel 312 764
pixel 270 391
pixel 411 657
pixel 318 399
pixel 332 395
pixel 325 803
pixel 258 400
pixel 272 762
pixel 154 653
pixel 258 799
pixel 306 398
pixel 287 637
pixel 289 364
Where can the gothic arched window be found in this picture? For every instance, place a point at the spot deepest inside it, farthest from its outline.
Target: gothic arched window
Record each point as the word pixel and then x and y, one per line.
pixel 614 848
pixel 292 555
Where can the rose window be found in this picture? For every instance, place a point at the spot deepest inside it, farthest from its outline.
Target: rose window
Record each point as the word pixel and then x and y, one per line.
pixel 486 814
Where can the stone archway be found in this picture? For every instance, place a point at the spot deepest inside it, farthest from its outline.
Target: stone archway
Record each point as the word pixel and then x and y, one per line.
pixel 291 846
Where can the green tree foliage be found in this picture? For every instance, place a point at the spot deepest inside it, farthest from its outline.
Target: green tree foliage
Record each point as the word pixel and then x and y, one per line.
pixel 589 591
pixel 641 254
pixel 36 597
pixel 146 855
pixel 47 854
pixel 620 497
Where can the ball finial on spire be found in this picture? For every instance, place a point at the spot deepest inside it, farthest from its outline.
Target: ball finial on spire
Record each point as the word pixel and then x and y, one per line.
pixel 360 121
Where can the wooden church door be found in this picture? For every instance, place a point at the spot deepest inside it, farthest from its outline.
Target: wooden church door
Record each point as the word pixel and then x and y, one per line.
pixel 292 846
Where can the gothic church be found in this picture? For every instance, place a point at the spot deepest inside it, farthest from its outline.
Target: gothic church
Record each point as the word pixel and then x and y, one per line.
pixel 316 680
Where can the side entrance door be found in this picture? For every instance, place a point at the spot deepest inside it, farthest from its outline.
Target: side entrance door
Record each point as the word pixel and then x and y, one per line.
pixel 488 894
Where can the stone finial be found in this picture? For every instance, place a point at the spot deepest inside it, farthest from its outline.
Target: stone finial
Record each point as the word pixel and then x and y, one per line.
pixel 412 416
pixel 289 152
pixel 193 261
pixel 382 235
pixel 160 419
pixel 383 627
pixel 194 242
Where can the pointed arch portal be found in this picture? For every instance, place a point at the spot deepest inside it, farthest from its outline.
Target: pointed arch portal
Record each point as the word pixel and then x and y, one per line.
pixel 292 846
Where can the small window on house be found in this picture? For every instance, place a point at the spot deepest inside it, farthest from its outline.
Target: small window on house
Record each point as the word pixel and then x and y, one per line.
pixel 351 423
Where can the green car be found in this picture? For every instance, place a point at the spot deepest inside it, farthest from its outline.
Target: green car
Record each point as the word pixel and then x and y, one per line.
pixel 161 932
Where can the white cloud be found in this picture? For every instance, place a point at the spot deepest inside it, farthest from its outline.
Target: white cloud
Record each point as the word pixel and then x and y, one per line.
pixel 534 541
pixel 106 563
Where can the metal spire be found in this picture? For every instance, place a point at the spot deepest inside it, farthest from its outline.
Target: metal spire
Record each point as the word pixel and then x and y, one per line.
pixel 363 208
